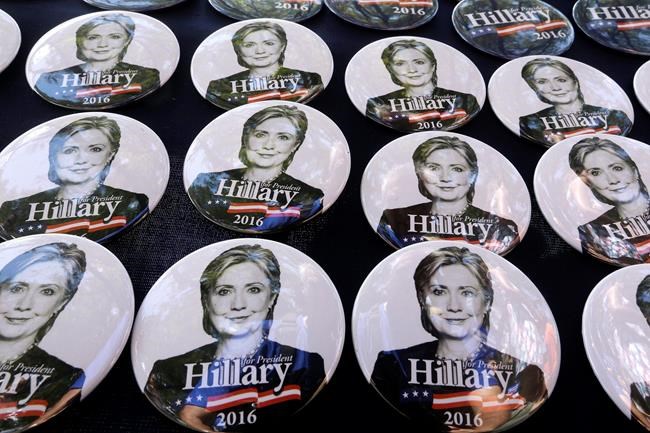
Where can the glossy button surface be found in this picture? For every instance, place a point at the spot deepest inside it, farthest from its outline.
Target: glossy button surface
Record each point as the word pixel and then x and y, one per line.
pixel 133 5
pixel 266 167
pixel 102 60
pixel 10 41
pixel 385 14
pixel 546 99
pixel 513 28
pixel 642 85
pixel 455 337
pixel 237 336
pixel 413 84
pixel 66 309
pixel 618 24
pixel 292 10
pixel 591 190
pixel 441 185
pixel 616 334
pixel 261 60
pixel 87 174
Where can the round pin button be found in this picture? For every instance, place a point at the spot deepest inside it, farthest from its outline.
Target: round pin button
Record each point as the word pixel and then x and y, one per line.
pixel 513 28
pixel 546 99
pixel 440 185
pixel 67 310
pixel 133 5
pixel 591 191
pixel 261 60
pixel 616 334
pixel 237 335
pixel 445 91
pixel 89 174
pixel 385 14
pixel 618 24
pixel 266 167
pixel 455 336
pixel 118 57
pixel 642 85
pixel 10 41
pixel 291 10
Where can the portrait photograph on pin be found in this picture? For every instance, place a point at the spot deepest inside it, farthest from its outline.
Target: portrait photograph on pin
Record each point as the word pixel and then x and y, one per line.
pixel 547 99
pixel 484 369
pixel 260 60
pixel 591 190
pixel 124 56
pixel 266 167
pixel 92 174
pixel 265 334
pixel 66 307
pixel 445 186
pixel 406 83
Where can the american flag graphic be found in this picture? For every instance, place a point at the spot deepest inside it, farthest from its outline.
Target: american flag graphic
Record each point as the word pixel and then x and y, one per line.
pixel 516 28
pixel 620 26
pixel 611 130
pixel 108 90
pixel 33 408
pixel 86 225
pixel 268 211
pixel 471 399
pixel 276 94
pixel 252 395
pixel 428 115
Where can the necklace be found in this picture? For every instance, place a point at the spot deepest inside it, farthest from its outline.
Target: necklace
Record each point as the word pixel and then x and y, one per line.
pixel 646 211
pixel 248 354
pixel 460 212
pixel 247 179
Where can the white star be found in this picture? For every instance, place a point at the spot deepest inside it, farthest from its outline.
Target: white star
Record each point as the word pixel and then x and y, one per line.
pixel 30 228
pixel 177 402
pixel 422 238
pixel 406 239
pixel 189 399
pixel 21 230
pixel 413 238
pixel 209 201
pixel 39 226
pixel 415 393
pixel 405 395
pixel 199 397
pixel 425 393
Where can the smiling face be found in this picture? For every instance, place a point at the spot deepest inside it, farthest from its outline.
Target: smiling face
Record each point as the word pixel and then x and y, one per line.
pixel 261 49
pixel 240 300
pixel 30 298
pixel 412 68
pixel 82 157
pixel 455 302
pixel 104 42
pixel 612 177
pixel 271 143
pixel 446 175
pixel 554 85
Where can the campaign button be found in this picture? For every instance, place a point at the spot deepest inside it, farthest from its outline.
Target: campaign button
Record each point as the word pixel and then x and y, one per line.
pixel 513 28
pixel 93 175
pixel 546 99
pixel 10 41
pixel 441 186
pixel 385 14
pixel 102 60
pixel 290 10
pixel 266 167
pixel 251 336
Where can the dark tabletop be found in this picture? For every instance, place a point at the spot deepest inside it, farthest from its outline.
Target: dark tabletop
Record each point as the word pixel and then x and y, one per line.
pixel 341 240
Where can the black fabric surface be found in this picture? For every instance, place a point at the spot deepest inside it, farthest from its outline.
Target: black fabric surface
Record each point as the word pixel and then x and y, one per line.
pixel 341 240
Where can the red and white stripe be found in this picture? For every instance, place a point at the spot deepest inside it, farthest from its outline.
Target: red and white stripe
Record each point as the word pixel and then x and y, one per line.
pixel 515 28
pixel 611 130
pixel 401 3
pixel 436 115
pixel 268 211
pixel 631 25
pixel 251 395
pixel 469 399
pixel 279 212
pixel 278 95
pixel 86 224
pixel 33 408
pixel 136 88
